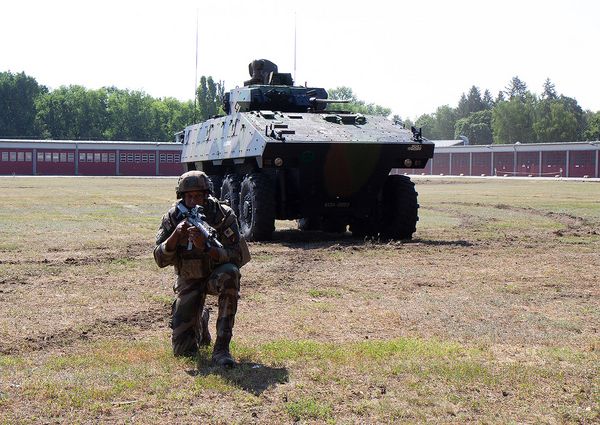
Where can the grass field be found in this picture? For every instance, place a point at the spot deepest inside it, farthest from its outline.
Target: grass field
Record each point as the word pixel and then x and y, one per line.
pixel 491 314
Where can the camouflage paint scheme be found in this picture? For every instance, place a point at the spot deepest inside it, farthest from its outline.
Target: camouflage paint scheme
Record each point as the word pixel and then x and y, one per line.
pixel 279 153
pixel 247 134
pixel 198 275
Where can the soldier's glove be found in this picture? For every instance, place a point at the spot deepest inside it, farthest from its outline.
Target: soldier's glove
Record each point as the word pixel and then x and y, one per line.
pixel 197 238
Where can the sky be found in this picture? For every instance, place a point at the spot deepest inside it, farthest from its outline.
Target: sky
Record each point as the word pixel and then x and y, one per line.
pixel 409 55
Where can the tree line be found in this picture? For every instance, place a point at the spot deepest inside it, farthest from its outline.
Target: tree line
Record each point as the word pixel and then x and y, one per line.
pixel 515 115
pixel 31 110
pixel 355 105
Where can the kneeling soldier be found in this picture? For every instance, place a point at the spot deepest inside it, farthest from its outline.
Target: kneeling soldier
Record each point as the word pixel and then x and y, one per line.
pixel 202 268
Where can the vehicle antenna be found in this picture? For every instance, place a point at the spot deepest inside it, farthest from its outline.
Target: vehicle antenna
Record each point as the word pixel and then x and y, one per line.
pixel 294 47
pixel 196 70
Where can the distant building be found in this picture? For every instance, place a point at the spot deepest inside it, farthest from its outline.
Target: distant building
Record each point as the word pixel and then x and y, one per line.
pixel 83 158
pixel 448 143
pixel 578 159
pixel 451 158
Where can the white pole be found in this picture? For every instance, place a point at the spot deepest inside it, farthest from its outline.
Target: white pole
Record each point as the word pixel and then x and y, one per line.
pixel 294 47
pixel 196 68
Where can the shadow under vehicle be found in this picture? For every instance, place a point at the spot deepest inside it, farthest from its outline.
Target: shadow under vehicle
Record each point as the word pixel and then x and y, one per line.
pixel 281 152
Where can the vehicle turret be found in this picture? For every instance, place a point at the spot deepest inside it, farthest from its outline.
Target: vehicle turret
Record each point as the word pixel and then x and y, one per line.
pixel 274 91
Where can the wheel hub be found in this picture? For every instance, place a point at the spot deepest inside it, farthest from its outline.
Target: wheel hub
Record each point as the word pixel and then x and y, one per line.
pixel 247 210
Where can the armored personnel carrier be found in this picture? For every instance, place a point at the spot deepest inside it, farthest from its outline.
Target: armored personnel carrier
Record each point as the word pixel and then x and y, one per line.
pixel 287 152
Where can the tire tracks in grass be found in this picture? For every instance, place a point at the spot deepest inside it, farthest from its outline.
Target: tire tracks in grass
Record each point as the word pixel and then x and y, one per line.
pixel 574 225
pixel 569 220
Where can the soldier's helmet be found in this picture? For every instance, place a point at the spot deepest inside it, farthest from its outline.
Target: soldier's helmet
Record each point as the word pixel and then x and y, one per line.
pixel 190 181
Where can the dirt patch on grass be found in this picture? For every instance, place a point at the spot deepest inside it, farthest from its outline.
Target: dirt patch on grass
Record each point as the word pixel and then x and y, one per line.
pixel 573 224
pixel 131 325
pixel 334 287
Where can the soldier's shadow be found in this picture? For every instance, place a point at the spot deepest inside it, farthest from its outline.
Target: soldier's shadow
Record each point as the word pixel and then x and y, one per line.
pixel 252 377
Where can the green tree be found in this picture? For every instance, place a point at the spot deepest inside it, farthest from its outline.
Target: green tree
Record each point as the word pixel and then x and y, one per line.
pixel 462 110
pixel 168 117
pixel 470 103
pixel 512 120
pixel 426 123
pixel 558 118
pixel 488 102
pixel 72 112
pixel 181 114
pixel 572 106
pixel 499 98
pixel 76 113
pixel 342 93
pixel 356 105
pixel 18 94
pixel 129 115
pixel 439 125
pixel 406 122
pixel 592 128
pixel 516 88
pixel 209 96
pixel 444 122
pixel 477 127
pixel 549 90
pixel 554 122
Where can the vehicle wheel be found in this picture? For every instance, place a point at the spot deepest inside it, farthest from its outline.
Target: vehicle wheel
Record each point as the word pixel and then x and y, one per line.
pixel 257 207
pixel 216 181
pixel 400 208
pixel 307 224
pixel 230 192
pixel 333 225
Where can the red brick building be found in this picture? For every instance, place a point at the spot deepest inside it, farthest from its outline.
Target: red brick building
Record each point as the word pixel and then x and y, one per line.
pixel 54 157
pixel 578 159
pixel 75 158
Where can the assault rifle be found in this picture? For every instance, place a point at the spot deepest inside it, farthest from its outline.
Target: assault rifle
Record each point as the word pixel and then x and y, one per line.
pixel 195 216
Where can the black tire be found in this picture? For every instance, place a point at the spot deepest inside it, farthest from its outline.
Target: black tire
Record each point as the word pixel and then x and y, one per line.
pixel 257 207
pixel 400 208
pixel 216 181
pixel 230 192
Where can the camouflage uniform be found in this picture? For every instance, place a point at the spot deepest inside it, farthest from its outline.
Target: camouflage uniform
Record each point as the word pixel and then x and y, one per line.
pixel 198 275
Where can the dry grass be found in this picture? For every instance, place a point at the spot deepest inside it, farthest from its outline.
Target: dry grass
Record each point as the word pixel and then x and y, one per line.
pixel 490 315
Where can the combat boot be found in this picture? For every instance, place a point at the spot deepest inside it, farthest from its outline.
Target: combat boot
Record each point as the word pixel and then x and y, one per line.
pixel 202 333
pixel 221 355
pixel 184 343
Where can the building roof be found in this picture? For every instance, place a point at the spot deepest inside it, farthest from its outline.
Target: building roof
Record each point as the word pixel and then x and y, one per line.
pixel 447 143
